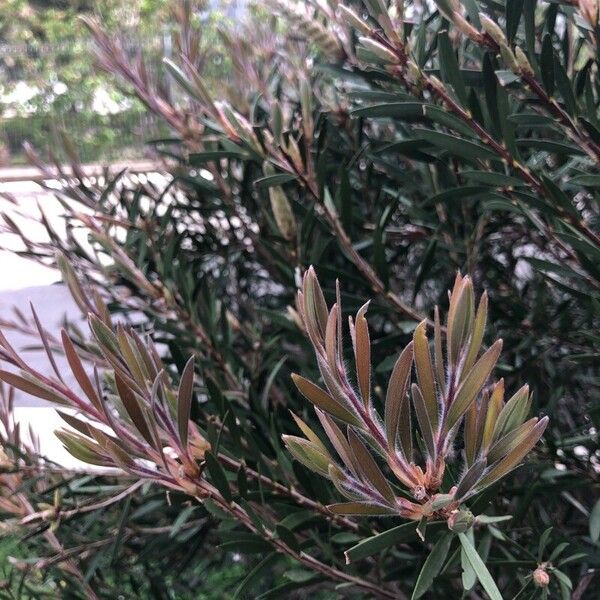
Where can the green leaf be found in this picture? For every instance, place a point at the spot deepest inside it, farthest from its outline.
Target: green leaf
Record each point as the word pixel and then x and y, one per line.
pixel 480 569
pixel 586 180
pixel 492 178
pixel 547 64
pixel 181 520
pixel 254 574
pixel 514 10
pixel 595 522
pixel 77 369
pixel 287 536
pixel 564 87
pixel 461 193
pixel 549 146
pixel 457 145
pixel 397 535
pixel 271 180
pixel 218 476
pixel 195 88
pixel 410 110
pixel 199 158
pixel 432 565
pixel 449 68
pixel 427 430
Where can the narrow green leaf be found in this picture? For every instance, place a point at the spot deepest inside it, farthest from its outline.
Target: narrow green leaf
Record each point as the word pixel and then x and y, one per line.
pixel 218 476
pixel 449 68
pixel 254 574
pixel 549 146
pixel 514 457
pixel 476 333
pixel 543 542
pixel 457 145
pixel 308 454
pixel 374 544
pixel 492 178
pixel 480 569
pixel 514 10
pixel 82 448
pixel 564 87
pixel 432 565
pixel 547 64
pixel 271 180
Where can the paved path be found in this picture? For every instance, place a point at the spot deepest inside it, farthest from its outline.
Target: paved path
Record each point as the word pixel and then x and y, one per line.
pixel 22 281
pixel 12 174
pixel 52 303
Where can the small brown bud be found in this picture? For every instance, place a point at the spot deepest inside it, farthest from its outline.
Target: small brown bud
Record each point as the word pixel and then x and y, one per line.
pixel 541 577
pixel 509 58
pixel 492 29
pixel 414 73
pixel 354 20
pixel 283 213
pixel 378 50
pixel 465 27
pixel 523 61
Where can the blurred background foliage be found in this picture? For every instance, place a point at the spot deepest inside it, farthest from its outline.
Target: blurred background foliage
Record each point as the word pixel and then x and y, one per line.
pixel 394 183
pixel 48 80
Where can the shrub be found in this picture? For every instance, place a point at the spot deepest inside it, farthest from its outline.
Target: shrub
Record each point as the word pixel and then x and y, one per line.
pixel 390 147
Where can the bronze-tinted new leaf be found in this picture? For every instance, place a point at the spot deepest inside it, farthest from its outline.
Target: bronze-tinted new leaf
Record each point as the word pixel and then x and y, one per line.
pixel 321 399
pixel 360 509
pixel 423 419
pixel 425 375
pixel 362 353
pixel 78 371
pixel 397 415
pixel 185 394
pixel 472 384
pixel 133 406
pixel 26 383
pixel 368 468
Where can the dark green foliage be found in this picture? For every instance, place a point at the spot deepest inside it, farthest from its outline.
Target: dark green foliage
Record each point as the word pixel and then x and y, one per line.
pixel 472 148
